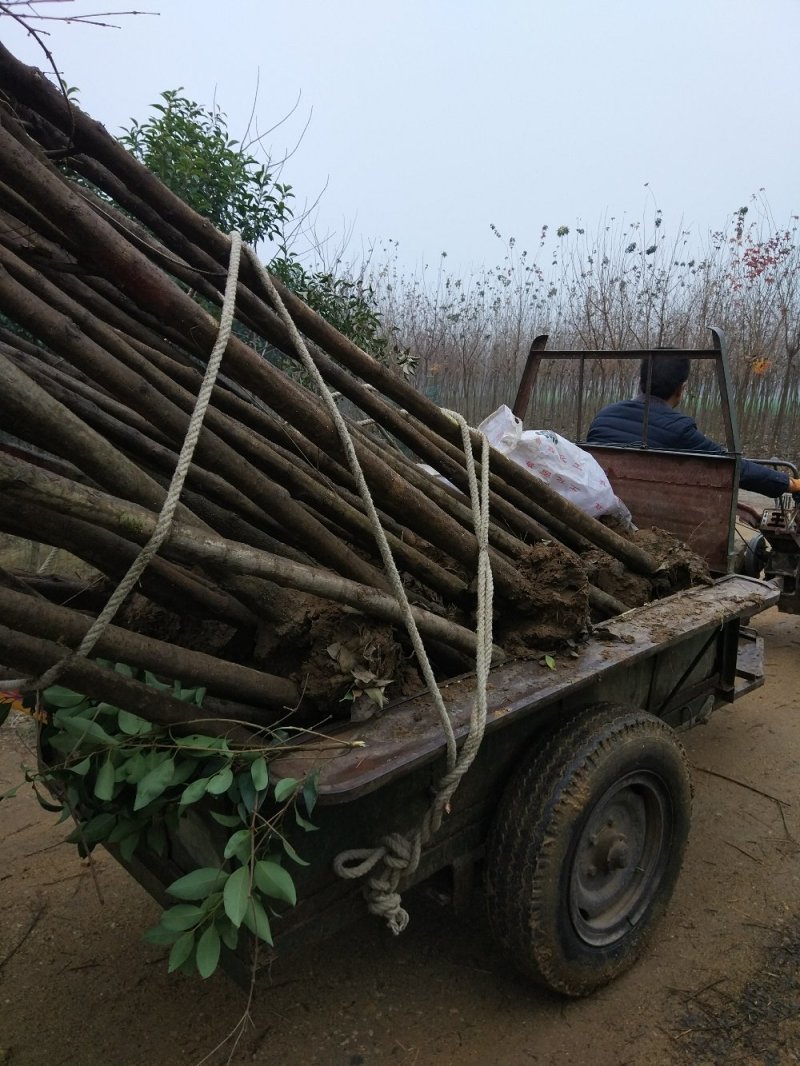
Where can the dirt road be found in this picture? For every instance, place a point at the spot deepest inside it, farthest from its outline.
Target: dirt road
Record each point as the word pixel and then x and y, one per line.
pixel 719 983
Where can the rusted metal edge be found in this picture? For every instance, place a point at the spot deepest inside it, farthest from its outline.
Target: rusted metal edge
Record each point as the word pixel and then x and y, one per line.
pixel 408 734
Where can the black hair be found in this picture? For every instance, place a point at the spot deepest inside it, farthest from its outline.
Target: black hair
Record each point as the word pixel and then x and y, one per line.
pixel 669 373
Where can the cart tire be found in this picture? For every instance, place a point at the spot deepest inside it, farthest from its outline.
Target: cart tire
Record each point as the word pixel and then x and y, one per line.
pixel 587 846
pixel 755 556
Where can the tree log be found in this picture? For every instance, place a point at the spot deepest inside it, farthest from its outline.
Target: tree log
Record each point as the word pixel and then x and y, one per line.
pixel 64 626
pixel 33 655
pixel 22 481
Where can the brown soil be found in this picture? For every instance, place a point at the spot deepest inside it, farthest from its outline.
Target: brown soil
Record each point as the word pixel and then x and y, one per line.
pixel 681 569
pixel 718 985
pixel 554 593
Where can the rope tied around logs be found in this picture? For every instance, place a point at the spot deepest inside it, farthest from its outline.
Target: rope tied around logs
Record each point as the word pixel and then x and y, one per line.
pixel 399 854
pixel 172 499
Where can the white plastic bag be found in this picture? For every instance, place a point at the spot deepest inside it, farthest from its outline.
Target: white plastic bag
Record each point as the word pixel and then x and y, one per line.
pixel 566 468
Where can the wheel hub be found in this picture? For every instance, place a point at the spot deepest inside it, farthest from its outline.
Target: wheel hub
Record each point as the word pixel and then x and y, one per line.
pixel 619 859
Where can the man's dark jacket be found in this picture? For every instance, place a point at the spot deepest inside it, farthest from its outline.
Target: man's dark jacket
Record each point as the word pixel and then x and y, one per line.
pixel 671 430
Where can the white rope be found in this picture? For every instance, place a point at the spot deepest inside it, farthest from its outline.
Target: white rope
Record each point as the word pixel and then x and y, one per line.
pixel 164 522
pixel 48 561
pixel 400 854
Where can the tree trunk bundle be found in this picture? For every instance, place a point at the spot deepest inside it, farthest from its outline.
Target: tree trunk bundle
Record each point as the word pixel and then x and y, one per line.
pixel 270 589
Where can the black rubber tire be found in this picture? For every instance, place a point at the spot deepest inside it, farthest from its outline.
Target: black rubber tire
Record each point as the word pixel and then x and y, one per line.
pixel 756 555
pixel 572 901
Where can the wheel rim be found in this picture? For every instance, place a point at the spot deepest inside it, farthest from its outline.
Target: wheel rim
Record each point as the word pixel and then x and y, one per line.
pixel 621 856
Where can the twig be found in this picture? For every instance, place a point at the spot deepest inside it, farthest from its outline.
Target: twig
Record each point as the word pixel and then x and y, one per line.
pixel 747 853
pixel 742 784
pixel 37 914
pixel 785 826
pixel 689 994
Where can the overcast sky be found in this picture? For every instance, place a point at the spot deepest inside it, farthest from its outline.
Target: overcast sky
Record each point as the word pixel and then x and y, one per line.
pixel 432 119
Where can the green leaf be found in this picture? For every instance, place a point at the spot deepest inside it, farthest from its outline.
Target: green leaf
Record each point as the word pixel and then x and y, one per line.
pixel 310 791
pixel 259 773
pixel 182 916
pixel 84 729
pixel 274 881
pixel 195 791
pixel 230 821
pixel 62 743
pixel 160 936
pixel 285 788
pixel 208 952
pixel 256 920
pixel 183 770
pixel 128 845
pixel 97 828
pixel 304 822
pixel 65 814
pixel 58 696
pixel 240 845
pixel 181 951
pixel 132 724
pixel 236 894
pixel 377 695
pixel 81 768
pixel 45 804
pixel 11 792
pixel 227 931
pixel 287 847
pixel 153 783
pixel 124 669
pixel 198 884
pixel 123 828
pixel 153 682
pixel 106 779
pixel 106 708
pixel 247 790
pixel 188 966
pixel 220 782
pixel 550 662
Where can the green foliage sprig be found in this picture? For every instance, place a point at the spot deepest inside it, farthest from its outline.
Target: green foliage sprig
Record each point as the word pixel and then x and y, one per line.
pixel 189 147
pixel 128 784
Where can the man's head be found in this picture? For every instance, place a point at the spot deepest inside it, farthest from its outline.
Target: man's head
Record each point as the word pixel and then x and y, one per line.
pixel 668 377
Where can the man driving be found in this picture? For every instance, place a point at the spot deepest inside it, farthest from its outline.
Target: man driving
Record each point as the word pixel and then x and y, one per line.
pixel 670 429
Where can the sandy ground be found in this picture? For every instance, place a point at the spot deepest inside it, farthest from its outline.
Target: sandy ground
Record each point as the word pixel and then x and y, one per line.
pixel 719 983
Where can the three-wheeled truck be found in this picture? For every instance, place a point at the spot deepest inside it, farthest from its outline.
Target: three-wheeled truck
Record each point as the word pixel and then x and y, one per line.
pixel 577 807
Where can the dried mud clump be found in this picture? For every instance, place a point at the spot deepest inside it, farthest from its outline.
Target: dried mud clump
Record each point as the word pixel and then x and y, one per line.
pixel 141 615
pixel 681 568
pixel 345 663
pixel 557 588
